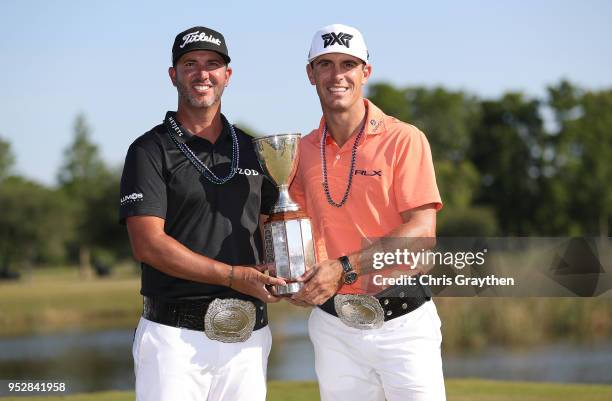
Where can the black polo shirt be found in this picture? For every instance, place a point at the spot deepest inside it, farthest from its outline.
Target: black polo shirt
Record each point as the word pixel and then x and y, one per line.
pixel 218 221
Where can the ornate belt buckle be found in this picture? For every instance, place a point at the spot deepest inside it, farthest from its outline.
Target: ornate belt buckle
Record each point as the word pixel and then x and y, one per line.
pixel 229 320
pixel 359 311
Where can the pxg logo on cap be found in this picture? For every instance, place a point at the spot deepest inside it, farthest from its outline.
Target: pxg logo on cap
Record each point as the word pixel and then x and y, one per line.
pixel 199 38
pixel 341 38
pixel 338 38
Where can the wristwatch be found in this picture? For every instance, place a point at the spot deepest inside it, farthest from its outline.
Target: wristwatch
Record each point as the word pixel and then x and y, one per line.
pixel 349 276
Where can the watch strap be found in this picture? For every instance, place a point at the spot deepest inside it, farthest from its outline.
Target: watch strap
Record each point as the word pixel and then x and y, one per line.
pixel 346 264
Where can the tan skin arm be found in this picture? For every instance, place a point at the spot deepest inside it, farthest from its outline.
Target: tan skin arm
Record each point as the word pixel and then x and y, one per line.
pixel 415 233
pixel 151 245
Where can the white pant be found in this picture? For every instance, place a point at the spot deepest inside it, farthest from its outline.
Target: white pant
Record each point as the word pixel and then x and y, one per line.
pixel 173 364
pixel 400 361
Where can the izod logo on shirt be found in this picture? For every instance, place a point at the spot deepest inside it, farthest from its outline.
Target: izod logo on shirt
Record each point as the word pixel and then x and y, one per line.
pixel 247 171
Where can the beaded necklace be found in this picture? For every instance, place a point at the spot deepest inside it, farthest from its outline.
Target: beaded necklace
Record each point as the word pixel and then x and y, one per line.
pixel 351 171
pixel 199 164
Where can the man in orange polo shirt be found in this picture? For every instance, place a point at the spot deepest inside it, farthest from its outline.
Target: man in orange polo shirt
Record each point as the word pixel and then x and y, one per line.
pixel 367 181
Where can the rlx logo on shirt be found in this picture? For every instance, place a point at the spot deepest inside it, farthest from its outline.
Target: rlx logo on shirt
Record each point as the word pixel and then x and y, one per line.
pixel 370 173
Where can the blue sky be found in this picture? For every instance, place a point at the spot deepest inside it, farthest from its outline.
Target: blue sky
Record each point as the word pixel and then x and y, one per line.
pixel 109 60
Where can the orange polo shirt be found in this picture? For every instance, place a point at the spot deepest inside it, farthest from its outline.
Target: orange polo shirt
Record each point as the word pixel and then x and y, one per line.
pixel 393 173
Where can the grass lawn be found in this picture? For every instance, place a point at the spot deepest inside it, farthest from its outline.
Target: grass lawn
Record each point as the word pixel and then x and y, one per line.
pixel 457 390
pixel 54 300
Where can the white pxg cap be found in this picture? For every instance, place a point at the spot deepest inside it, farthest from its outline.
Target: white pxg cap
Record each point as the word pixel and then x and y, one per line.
pixel 338 38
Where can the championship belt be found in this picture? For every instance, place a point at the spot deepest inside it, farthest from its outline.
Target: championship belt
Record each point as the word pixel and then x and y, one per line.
pixel 229 320
pixel 359 311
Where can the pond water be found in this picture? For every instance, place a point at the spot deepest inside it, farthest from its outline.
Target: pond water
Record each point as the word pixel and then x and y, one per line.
pixel 94 361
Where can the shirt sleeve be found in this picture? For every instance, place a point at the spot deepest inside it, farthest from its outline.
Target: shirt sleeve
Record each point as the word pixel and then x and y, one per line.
pixel 414 179
pixel 269 195
pixel 143 188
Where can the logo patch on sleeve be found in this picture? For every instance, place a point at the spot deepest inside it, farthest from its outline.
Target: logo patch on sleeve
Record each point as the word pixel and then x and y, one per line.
pixel 131 198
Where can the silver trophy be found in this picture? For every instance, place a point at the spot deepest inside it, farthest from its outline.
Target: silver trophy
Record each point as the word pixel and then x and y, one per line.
pixel 288 243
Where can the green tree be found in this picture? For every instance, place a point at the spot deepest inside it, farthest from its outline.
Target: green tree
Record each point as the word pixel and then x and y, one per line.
pixel 459 184
pixel 83 168
pixel 393 101
pixel 506 150
pixel 6 158
pixel 108 238
pixel 459 181
pixel 553 213
pixel 583 154
pixel 82 178
pixel 34 223
pixel 448 118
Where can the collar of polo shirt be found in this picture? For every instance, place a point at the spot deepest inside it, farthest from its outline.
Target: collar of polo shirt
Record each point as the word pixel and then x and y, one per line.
pixel 374 122
pixel 189 137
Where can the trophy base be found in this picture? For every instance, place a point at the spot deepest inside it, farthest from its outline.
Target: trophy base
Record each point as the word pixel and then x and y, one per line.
pixel 287 290
pixel 286 208
pixel 289 249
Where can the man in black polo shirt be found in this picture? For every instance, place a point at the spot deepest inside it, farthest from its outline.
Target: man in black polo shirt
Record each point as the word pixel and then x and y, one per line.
pixel 192 193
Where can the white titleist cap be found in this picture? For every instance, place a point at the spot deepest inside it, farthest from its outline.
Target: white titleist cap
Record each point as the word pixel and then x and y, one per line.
pixel 338 38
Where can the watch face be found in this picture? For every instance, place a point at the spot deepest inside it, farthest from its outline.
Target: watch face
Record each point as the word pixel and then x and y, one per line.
pixel 350 278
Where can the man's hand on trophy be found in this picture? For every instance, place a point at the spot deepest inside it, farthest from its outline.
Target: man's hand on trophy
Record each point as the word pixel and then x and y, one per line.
pixel 320 283
pixel 264 267
pixel 251 281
